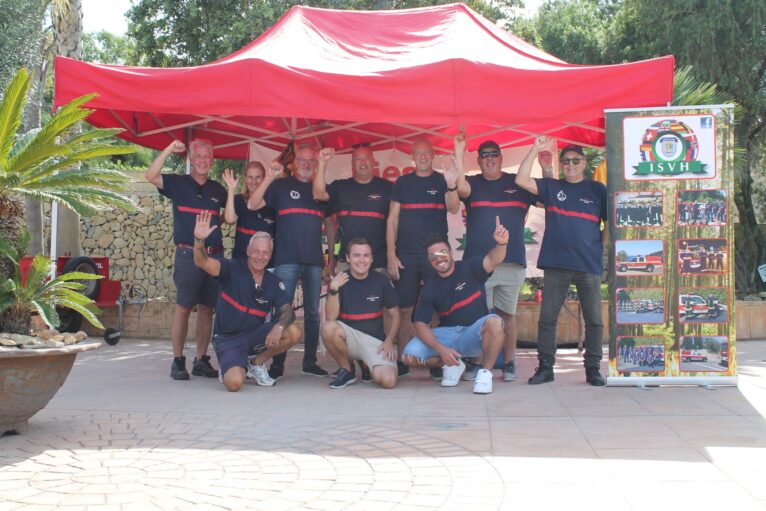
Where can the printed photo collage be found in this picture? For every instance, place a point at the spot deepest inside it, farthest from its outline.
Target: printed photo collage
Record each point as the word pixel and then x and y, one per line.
pixel 636 304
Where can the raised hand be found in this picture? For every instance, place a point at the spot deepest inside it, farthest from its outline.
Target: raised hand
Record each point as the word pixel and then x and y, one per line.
pixel 230 179
pixel 541 143
pixel 275 170
pixel 338 281
pixel 546 159
pixel 326 154
pixel 451 175
pixel 460 142
pixel 176 146
pixel 501 233
pixel 202 228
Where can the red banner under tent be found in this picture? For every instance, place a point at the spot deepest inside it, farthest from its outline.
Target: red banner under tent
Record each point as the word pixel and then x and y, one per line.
pixel 339 78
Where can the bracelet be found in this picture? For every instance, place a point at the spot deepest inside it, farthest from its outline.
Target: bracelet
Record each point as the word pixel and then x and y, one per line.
pixel 333 292
pixel 451 189
pixel 197 240
pixel 501 244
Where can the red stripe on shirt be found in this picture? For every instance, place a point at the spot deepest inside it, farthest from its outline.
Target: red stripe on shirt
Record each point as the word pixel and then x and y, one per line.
pixel 371 214
pixel 586 216
pixel 244 230
pixel 461 303
pixel 305 211
pixel 359 317
pixel 490 204
pixel 240 307
pixel 198 211
pixel 423 206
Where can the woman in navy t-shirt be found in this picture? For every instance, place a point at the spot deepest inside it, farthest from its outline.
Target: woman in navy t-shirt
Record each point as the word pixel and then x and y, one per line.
pixel 248 221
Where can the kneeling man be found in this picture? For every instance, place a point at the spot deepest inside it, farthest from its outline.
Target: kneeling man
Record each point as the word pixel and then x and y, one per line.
pixel 354 312
pixel 466 329
pixel 247 294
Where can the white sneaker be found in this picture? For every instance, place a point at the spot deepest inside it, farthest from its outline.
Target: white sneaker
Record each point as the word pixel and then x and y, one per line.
pixel 451 374
pixel 220 376
pixel 483 382
pixel 260 374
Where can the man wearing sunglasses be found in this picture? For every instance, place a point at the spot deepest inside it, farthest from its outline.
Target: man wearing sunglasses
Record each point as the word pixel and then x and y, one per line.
pixel 571 253
pixel 247 294
pixel 298 240
pixel 190 195
pixel 487 195
pixel 457 294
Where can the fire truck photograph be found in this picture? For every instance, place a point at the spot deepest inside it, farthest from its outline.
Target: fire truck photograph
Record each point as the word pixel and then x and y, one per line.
pixel 703 305
pixel 703 256
pixel 639 257
pixel 704 353
pixel 640 305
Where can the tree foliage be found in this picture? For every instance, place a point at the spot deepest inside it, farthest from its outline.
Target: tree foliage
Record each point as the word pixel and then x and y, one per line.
pixel 21 28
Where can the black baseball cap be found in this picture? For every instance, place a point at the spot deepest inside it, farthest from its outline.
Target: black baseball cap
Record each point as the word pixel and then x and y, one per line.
pixel 575 148
pixel 488 145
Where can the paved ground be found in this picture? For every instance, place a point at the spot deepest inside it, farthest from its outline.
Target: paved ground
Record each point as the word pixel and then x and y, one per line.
pixel 121 435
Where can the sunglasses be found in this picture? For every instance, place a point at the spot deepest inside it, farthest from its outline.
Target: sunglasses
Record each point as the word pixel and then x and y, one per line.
pixel 199 191
pixel 574 161
pixel 439 253
pixel 489 154
pixel 258 291
pixel 360 144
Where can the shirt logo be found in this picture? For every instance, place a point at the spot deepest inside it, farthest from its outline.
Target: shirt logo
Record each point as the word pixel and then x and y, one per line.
pixel 214 199
pixel 509 190
pixel 432 191
pixel 561 196
pixel 586 201
pixel 374 196
pixel 460 286
pixel 261 301
pixel 294 194
pixel 372 298
pixel 282 286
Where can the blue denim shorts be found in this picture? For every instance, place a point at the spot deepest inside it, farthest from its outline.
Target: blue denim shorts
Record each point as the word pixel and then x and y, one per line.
pixel 233 350
pixel 466 340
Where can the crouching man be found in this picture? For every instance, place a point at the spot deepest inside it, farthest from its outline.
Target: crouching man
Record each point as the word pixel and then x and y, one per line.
pixel 247 294
pixel 354 312
pixel 466 329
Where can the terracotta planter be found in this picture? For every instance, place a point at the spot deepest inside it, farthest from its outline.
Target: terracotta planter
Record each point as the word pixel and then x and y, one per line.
pixel 30 378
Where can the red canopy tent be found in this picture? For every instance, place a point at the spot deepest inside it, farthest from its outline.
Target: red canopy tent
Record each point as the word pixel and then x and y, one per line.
pixel 383 77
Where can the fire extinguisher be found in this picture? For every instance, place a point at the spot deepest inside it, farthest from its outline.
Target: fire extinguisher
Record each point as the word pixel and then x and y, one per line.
pixel 538 296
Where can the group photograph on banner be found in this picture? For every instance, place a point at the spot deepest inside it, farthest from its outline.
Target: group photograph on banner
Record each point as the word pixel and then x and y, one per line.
pixel 671 270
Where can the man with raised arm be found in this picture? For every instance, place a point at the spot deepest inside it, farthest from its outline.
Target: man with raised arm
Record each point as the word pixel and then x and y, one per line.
pixel 457 295
pixel 247 295
pixel 487 195
pixel 298 245
pixel 191 195
pixel 354 328
pixel 419 205
pixel 571 253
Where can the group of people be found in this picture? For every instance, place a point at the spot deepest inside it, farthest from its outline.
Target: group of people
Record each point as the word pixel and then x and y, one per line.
pixel 701 260
pixel 630 357
pixel 639 213
pixel 397 298
pixel 702 212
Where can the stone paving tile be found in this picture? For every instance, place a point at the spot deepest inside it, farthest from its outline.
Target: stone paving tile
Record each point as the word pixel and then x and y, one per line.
pixel 121 435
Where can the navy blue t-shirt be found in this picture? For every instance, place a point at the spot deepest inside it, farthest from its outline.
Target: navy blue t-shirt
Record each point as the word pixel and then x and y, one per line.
pixel 298 238
pixel 489 199
pixel 190 199
pixel 248 223
pixel 362 303
pixel 573 212
pixel 362 211
pixel 458 300
pixel 423 211
pixel 241 308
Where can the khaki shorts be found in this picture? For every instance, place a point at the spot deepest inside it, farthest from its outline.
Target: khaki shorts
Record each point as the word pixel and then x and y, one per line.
pixel 344 266
pixel 364 347
pixel 504 286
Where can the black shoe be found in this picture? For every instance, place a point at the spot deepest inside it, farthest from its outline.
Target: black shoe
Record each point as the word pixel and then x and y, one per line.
pixel 366 374
pixel 403 369
pixel 344 378
pixel 314 370
pixel 593 376
pixel 436 373
pixel 276 372
pixel 202 367
pixel 178 369
pixel 543 374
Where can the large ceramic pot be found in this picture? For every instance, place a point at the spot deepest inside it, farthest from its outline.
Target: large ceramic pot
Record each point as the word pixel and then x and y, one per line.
pixel 30 378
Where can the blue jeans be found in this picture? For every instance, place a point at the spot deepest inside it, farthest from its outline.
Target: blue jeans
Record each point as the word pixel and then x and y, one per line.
pixel 555 287
pixel 466 340
pixel 311 278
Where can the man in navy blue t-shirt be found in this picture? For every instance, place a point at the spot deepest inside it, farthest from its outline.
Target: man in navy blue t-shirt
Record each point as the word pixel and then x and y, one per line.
pixel 572 252
pixel 247 295
pixel 360 202
pixel 419 205
pixel 486 195
pixel 298 251
pixel 354 328
pixel 457 295
pixel 191 195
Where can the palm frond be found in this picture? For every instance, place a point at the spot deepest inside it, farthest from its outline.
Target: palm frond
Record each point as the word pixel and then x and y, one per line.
pixel 37 274
pixel 47 312
pixel 11 112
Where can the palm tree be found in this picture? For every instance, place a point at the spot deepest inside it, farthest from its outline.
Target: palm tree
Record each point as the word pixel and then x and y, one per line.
pixel 43 164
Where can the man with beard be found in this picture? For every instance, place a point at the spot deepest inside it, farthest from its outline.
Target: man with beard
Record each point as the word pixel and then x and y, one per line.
pixel 298 251
pixel 457 295
pixel 190 195
pixel 248 294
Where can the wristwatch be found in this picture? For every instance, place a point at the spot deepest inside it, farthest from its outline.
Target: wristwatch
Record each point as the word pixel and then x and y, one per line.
pixel 333 292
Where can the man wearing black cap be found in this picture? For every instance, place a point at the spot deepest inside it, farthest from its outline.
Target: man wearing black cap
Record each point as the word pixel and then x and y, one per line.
pixel 571 253
pixel 488 195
